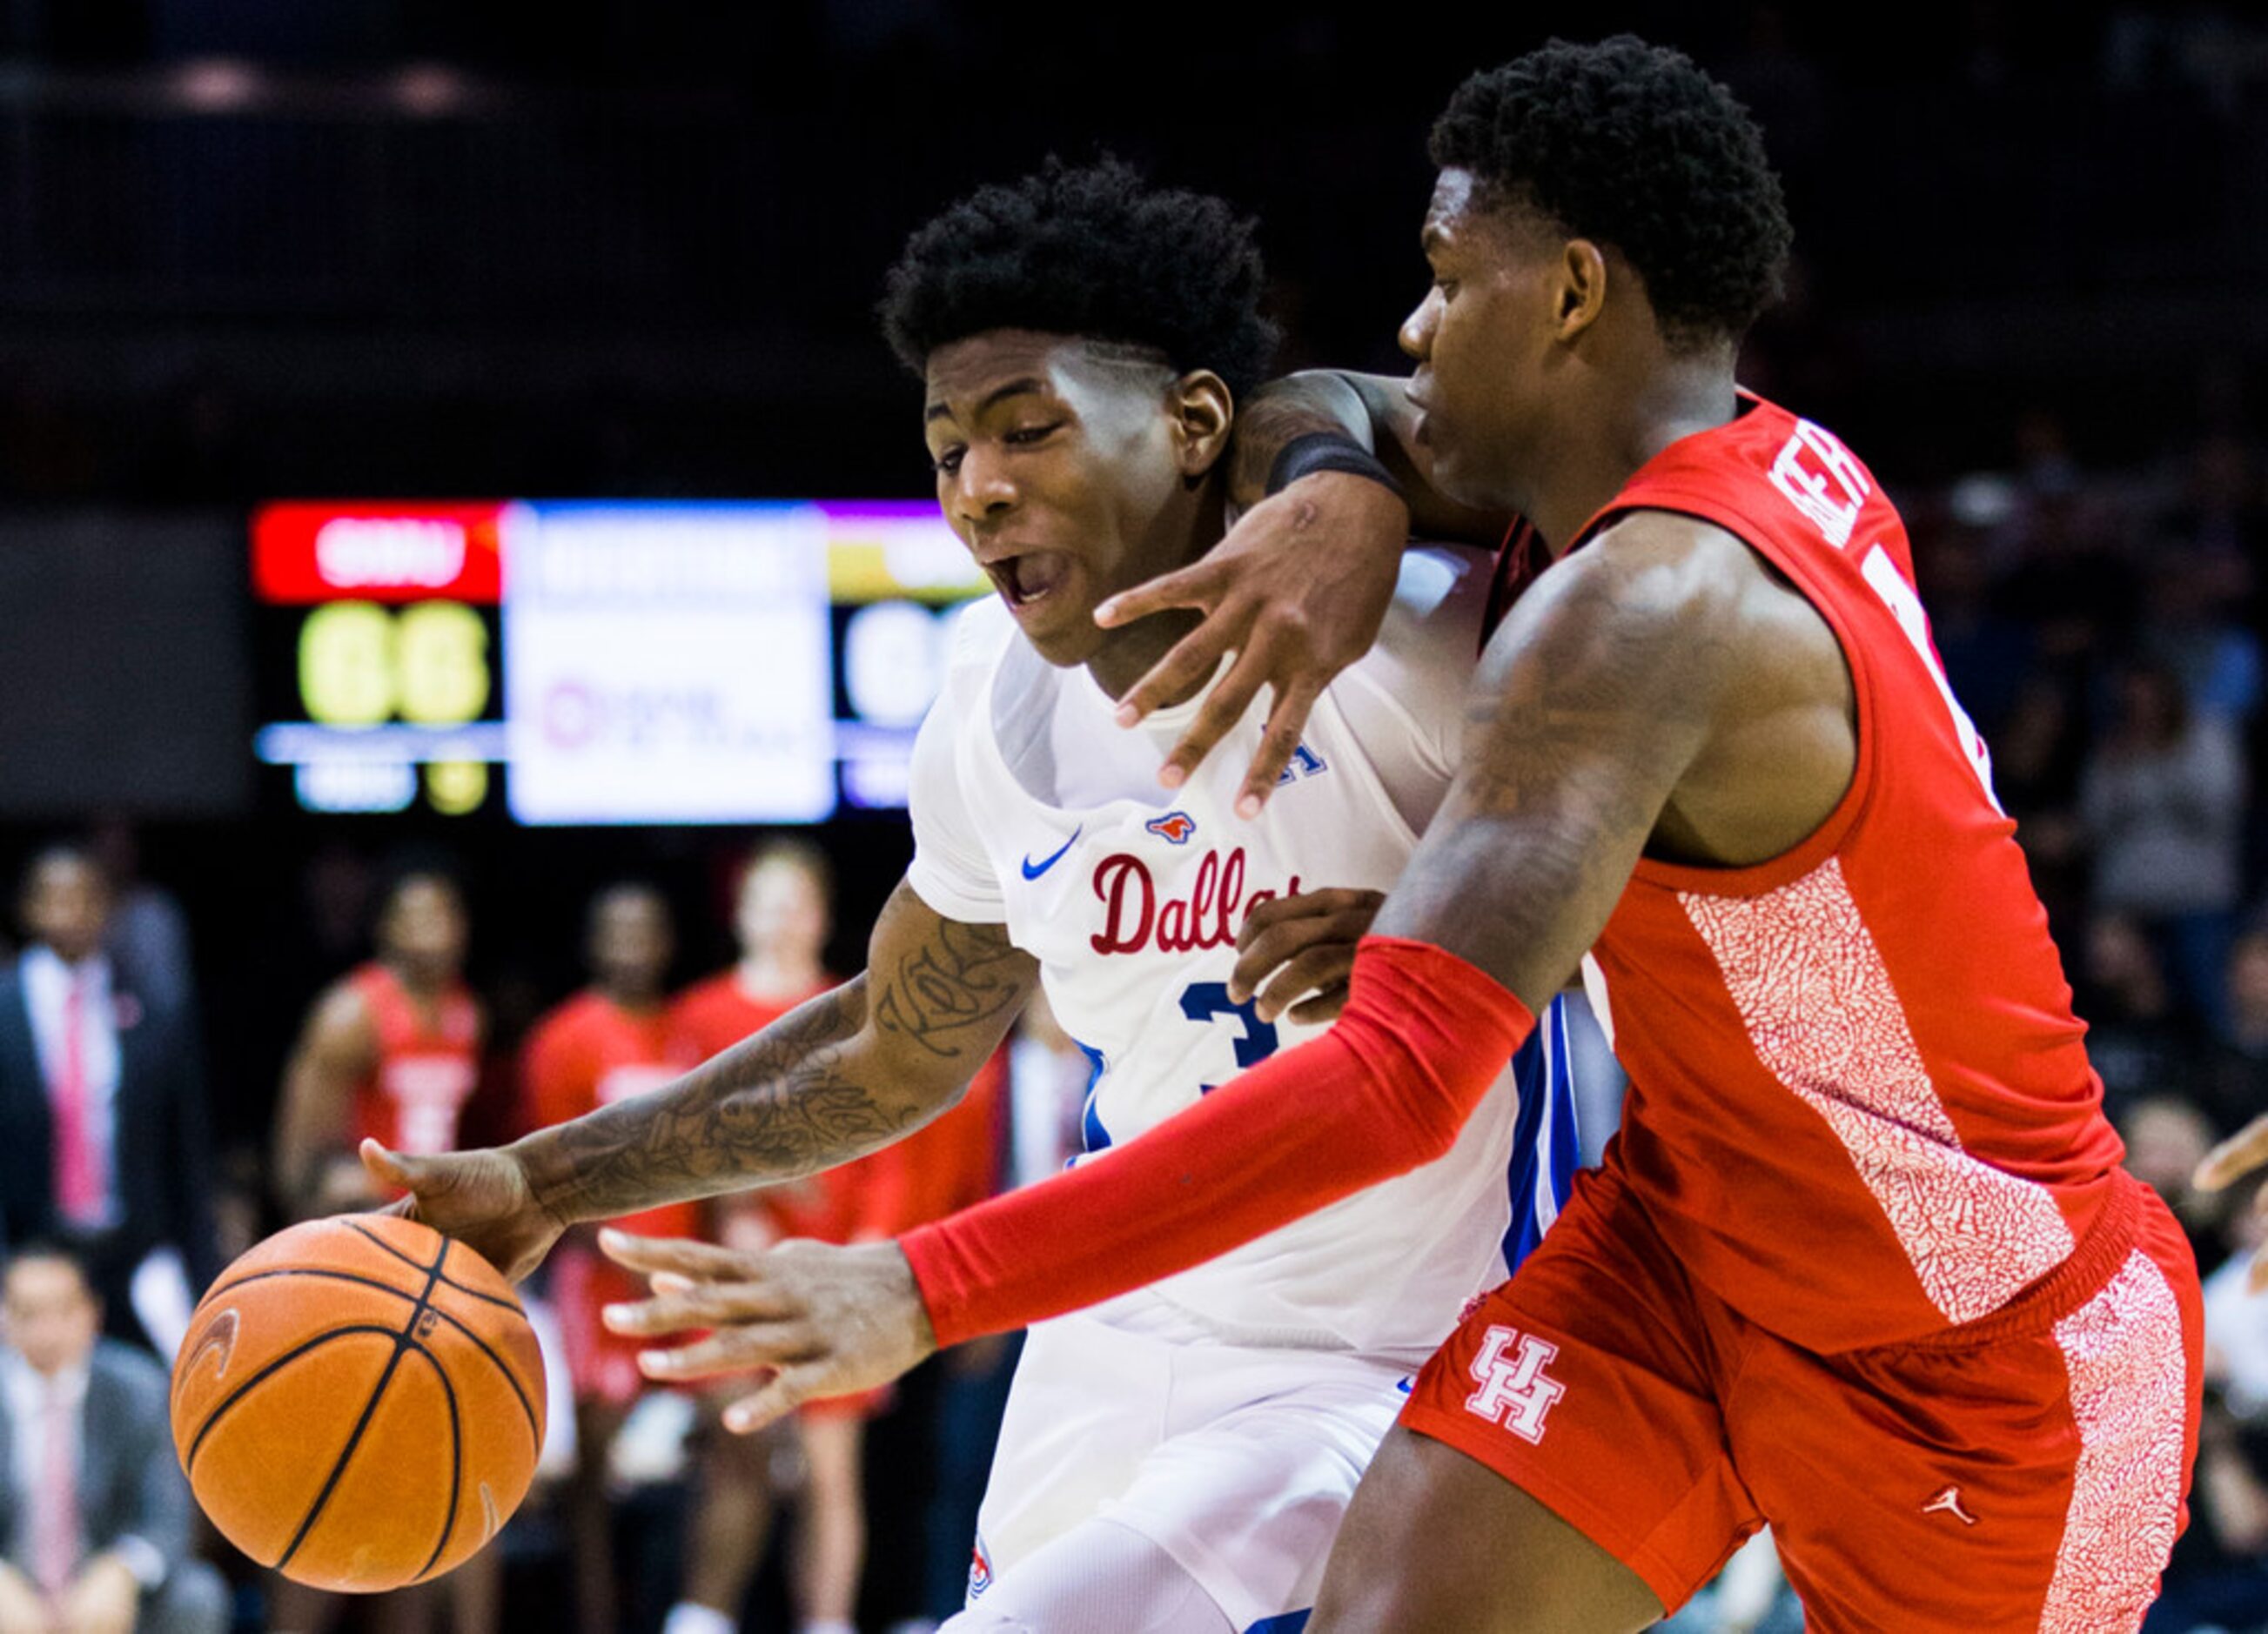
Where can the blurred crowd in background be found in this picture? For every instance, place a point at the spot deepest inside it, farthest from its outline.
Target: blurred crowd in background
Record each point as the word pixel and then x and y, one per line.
pixel 607 249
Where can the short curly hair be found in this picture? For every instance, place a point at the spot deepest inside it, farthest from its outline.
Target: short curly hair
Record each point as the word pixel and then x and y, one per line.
pixel 1093 251
pixel 1632 145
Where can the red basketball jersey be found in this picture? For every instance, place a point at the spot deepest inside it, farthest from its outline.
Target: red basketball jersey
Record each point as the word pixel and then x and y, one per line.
pixel 589 1053
pixel 426 1068
pixel 1860 1106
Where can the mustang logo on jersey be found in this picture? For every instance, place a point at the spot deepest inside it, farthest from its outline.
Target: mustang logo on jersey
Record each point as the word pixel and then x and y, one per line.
pixel 1174 826
pixel 1134 919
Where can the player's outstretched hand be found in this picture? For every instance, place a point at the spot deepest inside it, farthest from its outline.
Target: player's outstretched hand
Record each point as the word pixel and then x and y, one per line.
pixel 2233 1159
pixel 1297 590
pixel 483 1199
pixel 810 1318
pixel 1303 945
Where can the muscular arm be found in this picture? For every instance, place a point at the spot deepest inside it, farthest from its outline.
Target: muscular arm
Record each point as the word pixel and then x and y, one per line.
pixel 336 1050
pixel 1372 409
pixel 1595 697
pixel 842 1074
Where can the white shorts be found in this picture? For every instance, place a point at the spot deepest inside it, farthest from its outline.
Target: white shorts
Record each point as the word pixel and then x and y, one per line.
pixel 1238 1462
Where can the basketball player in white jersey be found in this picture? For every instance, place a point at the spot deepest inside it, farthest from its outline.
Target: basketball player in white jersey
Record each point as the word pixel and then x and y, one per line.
pixel 1178 1459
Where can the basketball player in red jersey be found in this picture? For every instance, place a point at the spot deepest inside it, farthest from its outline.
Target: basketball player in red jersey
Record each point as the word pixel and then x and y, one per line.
pixel 391 1049
pixel 616 1039
pixel 1860 1263
pixel 782 917
pixel 390 1052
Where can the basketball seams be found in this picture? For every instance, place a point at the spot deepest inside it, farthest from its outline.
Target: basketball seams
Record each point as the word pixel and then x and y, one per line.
pixel 189 1462
pixel 448 1281
pixel 456 1459
pixel 518 1390
pixel 402 1343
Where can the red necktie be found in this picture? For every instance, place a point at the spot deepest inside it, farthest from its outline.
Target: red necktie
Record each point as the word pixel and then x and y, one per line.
pixel 55 1506
pixel 78 1167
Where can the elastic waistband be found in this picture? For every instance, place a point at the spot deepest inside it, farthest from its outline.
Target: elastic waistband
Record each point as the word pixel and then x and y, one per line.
pixel 2109 1241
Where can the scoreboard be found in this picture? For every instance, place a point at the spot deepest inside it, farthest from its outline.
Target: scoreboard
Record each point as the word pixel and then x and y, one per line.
pixel 589 662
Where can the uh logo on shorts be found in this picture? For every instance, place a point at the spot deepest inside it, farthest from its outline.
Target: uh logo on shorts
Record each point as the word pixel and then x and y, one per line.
pixel 1514 1390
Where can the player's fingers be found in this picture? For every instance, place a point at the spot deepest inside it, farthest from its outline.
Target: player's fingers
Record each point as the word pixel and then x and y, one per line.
pixel 1326 965
pixel 732 1349
pixel 2240 1154
pixel 782 1396
pixel 1304 905
pixel 1199 585
pixel 1186 667
pixel 707 1305
pixel 2256 1275
pixel 1224 704
pixel 1279 944
pixel 1323 1008
pixel 1286 720
pixel 386 1168
pixel 702 1261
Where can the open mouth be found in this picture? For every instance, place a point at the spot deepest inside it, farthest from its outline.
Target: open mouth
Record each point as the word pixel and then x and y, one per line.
pixel 1030 578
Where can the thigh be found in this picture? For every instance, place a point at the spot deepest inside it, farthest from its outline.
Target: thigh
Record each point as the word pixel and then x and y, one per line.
pixel 2033 1481
pixel 1438 1540
pixel 1590 1383
pixel 1251 1494
pixel 1087 1405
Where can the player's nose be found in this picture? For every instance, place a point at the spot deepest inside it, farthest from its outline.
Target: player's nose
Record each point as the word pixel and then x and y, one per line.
pixel 982 492
pixel 1417 335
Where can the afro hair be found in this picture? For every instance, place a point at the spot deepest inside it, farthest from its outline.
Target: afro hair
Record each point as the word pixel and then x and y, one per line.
pixel 1093 250
pixel 1632 145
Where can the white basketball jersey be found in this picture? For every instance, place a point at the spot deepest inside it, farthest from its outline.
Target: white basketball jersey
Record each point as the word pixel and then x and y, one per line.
pixel 1032 807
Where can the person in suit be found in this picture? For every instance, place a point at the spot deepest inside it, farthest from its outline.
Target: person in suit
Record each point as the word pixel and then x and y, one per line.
pixel 94 1511
pixel 104 1139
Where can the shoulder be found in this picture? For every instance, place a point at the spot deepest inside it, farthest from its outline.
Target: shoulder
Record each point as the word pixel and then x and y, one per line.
pixel 1437 618
pixel 346 1009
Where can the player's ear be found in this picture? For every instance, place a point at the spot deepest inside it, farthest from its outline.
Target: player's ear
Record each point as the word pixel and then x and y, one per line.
pixel 1203 409
pixel 1579 290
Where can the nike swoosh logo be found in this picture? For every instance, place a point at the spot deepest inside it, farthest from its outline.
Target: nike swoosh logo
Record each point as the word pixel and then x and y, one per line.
pixel 1033 871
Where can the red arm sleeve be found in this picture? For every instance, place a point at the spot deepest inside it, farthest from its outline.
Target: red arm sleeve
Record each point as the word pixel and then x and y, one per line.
pixel 1422 1038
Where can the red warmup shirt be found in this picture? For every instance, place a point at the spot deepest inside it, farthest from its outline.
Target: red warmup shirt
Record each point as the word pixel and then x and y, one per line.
pixel 1859 1109
pixel 426 1071
pixel 590 1052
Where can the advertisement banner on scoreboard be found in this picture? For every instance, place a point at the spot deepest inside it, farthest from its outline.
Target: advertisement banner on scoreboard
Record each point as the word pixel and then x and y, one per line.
pixel 669 663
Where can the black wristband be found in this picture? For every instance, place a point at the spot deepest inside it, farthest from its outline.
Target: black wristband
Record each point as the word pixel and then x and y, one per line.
pixel 1328 451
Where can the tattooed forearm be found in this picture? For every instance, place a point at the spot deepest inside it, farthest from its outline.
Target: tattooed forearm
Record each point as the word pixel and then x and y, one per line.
pixel 842 1074
pixel 958 979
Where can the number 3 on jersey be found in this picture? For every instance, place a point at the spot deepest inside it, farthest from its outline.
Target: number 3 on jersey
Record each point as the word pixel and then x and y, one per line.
pixel 1256 1040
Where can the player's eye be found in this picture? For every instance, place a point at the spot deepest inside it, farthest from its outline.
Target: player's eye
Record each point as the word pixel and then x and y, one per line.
pixel 947 463
pixel 1024 436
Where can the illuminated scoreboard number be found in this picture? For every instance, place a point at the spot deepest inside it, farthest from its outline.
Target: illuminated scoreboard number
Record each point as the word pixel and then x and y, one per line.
pixel 381 676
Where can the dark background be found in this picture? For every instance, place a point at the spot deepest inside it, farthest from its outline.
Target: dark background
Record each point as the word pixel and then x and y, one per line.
pixel 252 249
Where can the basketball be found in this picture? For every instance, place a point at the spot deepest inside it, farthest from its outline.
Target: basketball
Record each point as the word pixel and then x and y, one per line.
pixel 359 1403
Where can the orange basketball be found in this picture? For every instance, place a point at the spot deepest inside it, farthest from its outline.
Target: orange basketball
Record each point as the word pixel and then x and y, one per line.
pixel 359 1403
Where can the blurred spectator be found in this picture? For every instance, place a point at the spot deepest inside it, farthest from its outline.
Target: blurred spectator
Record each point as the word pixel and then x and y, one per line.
pixel 103 1122
pixel 94 1511
pixel 782 917
pixel 2217 1578
pixel 613 1039
pixel 2196 629
pixel 2163 800
pixel 391 1052
pixel 2141 1040
pixel 2237 1074
pixel 2166 1139
pixel 148 935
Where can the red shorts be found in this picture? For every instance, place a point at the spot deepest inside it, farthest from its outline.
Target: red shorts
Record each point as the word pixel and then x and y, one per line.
pixel 603 1364
pixel 2025 1470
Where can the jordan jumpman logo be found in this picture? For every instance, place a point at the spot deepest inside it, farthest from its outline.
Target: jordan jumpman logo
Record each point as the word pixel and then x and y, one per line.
pixel 1949 1501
